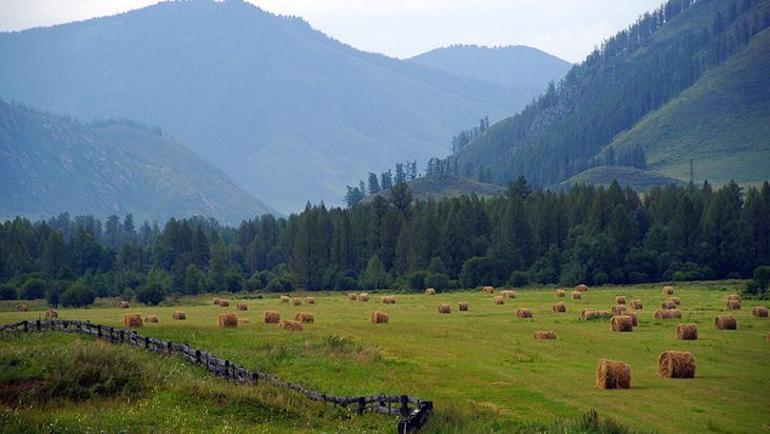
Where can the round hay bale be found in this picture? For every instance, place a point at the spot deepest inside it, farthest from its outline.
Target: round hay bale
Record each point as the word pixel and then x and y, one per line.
pixel 124 304
pixel 619 310
pixel 388 299
pixel 294 326
pixel 559 293
pixel 379 317
pixel 668 304
pixel 304 317
pixel 733 305
pixel 676 364
pixel 636 304
pixel 296 301
pixel 488 290
pixel 560 307
pixel 444 308
pixel 523 312
pixel 612 374
pixel 242 306
pixel 687 332
pixel 272 317
pixel 734 297
pixel 179 315
pixel 676 300
pixel 622 323
pixel 668 290
pixel 217 300
pixel 52 314
pixel 352 296
pixel 508 293
pixel 759 311
pixel 224 303
pixel 227 320
pixel 430 291
pixel 581 288
pixel 284 299
pixel 576 295
pixel 667 313
pixel 499 299
pixel 620 299
pixel 310 300
pixel 151 319
pixel 463 306
pixel 589 314
pixel 726 322
pixel 132 320
pixel 545 334
pixel 363 297
pixel 634 317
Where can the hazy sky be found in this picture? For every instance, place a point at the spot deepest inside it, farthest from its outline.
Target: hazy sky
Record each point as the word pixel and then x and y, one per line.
pixel 567 28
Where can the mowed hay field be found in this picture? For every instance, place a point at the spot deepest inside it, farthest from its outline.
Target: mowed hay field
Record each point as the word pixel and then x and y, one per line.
pixel 482 368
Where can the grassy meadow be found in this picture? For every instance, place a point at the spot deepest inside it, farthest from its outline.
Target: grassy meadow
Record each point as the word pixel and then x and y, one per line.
pixel 482 368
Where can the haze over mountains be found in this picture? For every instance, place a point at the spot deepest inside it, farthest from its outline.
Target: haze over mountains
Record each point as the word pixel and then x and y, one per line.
pixel 286 112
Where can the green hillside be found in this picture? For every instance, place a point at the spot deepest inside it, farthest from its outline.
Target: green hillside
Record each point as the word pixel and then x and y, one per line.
pixel 722 122
pixel 638 179
pixel 52 164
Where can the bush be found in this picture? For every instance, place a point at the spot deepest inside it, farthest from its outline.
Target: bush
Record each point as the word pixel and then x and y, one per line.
pixel 78 295
pixel 416 281
pixel 439 281
pixel 151 293
pixel 7 292
pixel 279 284
pixel 519 278
pixel 54 291
pixel 233 281
pixel 32 289
pixel 346 283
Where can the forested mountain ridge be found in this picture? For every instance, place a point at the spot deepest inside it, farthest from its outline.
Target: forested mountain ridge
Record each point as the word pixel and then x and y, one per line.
pixel 632 75
pixel 288 113
pixel 51 164
pixel 517 66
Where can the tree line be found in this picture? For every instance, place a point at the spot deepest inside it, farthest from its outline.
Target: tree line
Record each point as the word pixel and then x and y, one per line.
pixel 587 234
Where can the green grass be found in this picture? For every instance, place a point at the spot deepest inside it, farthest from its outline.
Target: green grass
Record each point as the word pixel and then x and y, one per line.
pixel 482 369
pixel 638 179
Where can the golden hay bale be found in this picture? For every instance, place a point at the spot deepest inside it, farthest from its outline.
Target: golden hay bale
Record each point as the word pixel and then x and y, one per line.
pixel 676 300
pixel 379 317
pixel 508 293
pixel 310 300
pixel 560 307
pixel 620 299
pixel 242 306
pixel 352 296
pixel 576 295
pixel 179 315
pixel 224 303
pixel 272 317
pixel 488 289
pixel 430 291
pixel 444 308
pixel 22 308
pixel 124 305
pixel 523 312
pixel 734 297
pixel 285 299
pixel 545 334
pixel 363 297
pixel 499 299
pixel 759 311
pixel 634 317
pixel 687 332
pixel 725 322
pixel 589 314
pixel 619 310
pixel 622 323
pixel 559 293
pixel 296 301
pixel 132 320
pixel 676 364
pixel 581 288
pixel 388 299
pixel 463 305
pixel 304 317
pixel 52 314
pixel 612 374
pixel 217 300
pixel 151 318
pixel 668 290
pixel 668 304
pixel 733 305
pixel 667 314
pixel 294 326
pixel 637 304
pixel 228 320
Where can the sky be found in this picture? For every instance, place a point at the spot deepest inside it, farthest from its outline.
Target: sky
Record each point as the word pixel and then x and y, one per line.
pixel 569 29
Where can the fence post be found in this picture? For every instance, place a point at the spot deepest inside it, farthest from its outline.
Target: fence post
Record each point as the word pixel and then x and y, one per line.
pixel 361 405
pixel 404 405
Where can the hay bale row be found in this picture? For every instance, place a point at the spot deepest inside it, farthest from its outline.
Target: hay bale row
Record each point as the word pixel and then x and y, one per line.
pixel 499 299
pixel 559 293
pixel 272 317
pixel 733 305
pixel 388 299
pixel 363 297
pixel 622 323
pixel 581 288
pixel 294 326
pixel 488 290
pixel 132 320
pixel 545 334
pixel 379 317
pixel 726 322
pixel 636 304
pixel 52 314
pixel 668 290
pixel 241 306
pixel 151 319
pixel 523 312
pixel 668 313
pixel 463 306
pixel 576 295
pixel 612 374
pixel 560 307
pixel 305 317
pixel 759 311
pixel 227 320
pixel 179 316
pixel 444 308
pixel 430 291
pixel 676 364
pixel 687 332
pixel 620 299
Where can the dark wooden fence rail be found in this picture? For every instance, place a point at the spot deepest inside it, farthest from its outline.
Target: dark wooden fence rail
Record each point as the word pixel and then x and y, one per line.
pixel 413 411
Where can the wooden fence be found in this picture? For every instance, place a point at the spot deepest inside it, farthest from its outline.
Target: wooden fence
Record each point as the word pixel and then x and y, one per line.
pixel 413 411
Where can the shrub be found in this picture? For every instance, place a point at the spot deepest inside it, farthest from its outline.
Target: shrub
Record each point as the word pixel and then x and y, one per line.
pixel 54 291
pixel 151 293
pixel 32 289
pixel 346 283
pixel 519 278
pixel 233 281
pixel 78 295
pixel 279 284
pixel 416 281
pixel 440 281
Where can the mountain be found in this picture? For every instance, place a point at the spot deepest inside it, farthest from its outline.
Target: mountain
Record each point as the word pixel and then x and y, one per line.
pixel 288 113
pixel 52 164
pixel 688 80
pixel 438 187
pixel 516 66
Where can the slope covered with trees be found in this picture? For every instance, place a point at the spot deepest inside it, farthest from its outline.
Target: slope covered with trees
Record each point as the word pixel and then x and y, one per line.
pixel 633 74
pixel 52 164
